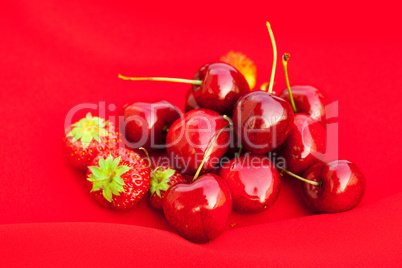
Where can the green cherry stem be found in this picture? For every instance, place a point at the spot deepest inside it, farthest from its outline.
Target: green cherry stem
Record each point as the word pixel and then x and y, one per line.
pixel 240 150
pixel 165 79
pixel 148 158
pixel 316 183
pixel 285 59
pixel 208 151
pixel 275 58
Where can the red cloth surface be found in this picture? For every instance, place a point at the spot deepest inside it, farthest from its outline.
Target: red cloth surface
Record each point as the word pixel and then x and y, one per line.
pixel 57 54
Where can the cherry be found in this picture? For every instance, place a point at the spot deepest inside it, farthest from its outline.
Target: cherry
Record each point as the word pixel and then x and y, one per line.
pixel 222 85
pixel 342 187
pixel 304 99
pixel 306 138
pixel 216 86
pixel 236 59
pixel 189 137
pixel 262 121
pixel 254 182
pixel 146 124
pixel 308 100
pixel 199 211
pixel 332 187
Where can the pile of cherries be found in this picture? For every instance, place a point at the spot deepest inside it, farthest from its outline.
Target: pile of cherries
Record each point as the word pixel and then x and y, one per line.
pixel 220 149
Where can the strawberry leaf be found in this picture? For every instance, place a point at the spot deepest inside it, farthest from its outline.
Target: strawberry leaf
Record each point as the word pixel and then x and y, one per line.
pixel 96 171
pixel 168 173
pixel 86 138
pixel 107 177
pixel 160 180
pixel 119 180
pixel 107 194
pixel 121 170
pixel 115 163
pixel 87 129
pixel 96 186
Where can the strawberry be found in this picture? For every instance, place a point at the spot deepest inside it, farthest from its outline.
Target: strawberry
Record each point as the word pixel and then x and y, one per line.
pixel 118 178
pixel 162 178
pixel 86 138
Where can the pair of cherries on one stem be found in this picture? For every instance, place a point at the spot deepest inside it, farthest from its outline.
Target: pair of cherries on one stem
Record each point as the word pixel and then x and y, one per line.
pixel 335 186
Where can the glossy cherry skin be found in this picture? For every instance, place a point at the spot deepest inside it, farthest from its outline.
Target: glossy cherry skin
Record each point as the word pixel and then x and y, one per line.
pixel 254 182
pixel 343 186
pixel 191 104
pixel 222 85
pixel 199 211
pixel 146 124
pixel 189 137
pixel 308 100
pixel 304 144
pixel 262 121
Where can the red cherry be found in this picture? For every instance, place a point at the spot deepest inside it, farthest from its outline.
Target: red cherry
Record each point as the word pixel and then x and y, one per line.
pixel 306 138
pixel 189 137
pixel 254 182
pixel 341 186
pixel 308 100
pixel 222 85
pixel 304 99
pixel 262 121
pixel 146 124
pixel 199 211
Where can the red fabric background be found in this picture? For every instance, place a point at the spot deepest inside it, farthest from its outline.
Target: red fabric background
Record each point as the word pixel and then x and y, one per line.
pixel 57 54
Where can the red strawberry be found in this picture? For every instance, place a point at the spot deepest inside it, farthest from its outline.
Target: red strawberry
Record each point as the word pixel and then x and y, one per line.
pixel 118 178
pixel 162 178
pixel 86 138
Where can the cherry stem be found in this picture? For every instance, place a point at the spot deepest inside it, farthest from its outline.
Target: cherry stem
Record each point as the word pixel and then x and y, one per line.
pixel 285 59
pixel 275 53
pixel 208 151
pixel 165 79
pixel 316 183
pixel 240 150
pixel 149 158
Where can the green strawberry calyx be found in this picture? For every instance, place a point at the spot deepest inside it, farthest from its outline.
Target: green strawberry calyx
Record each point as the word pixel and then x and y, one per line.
pixel 160 179
pixel 107 177
pixel 87 129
